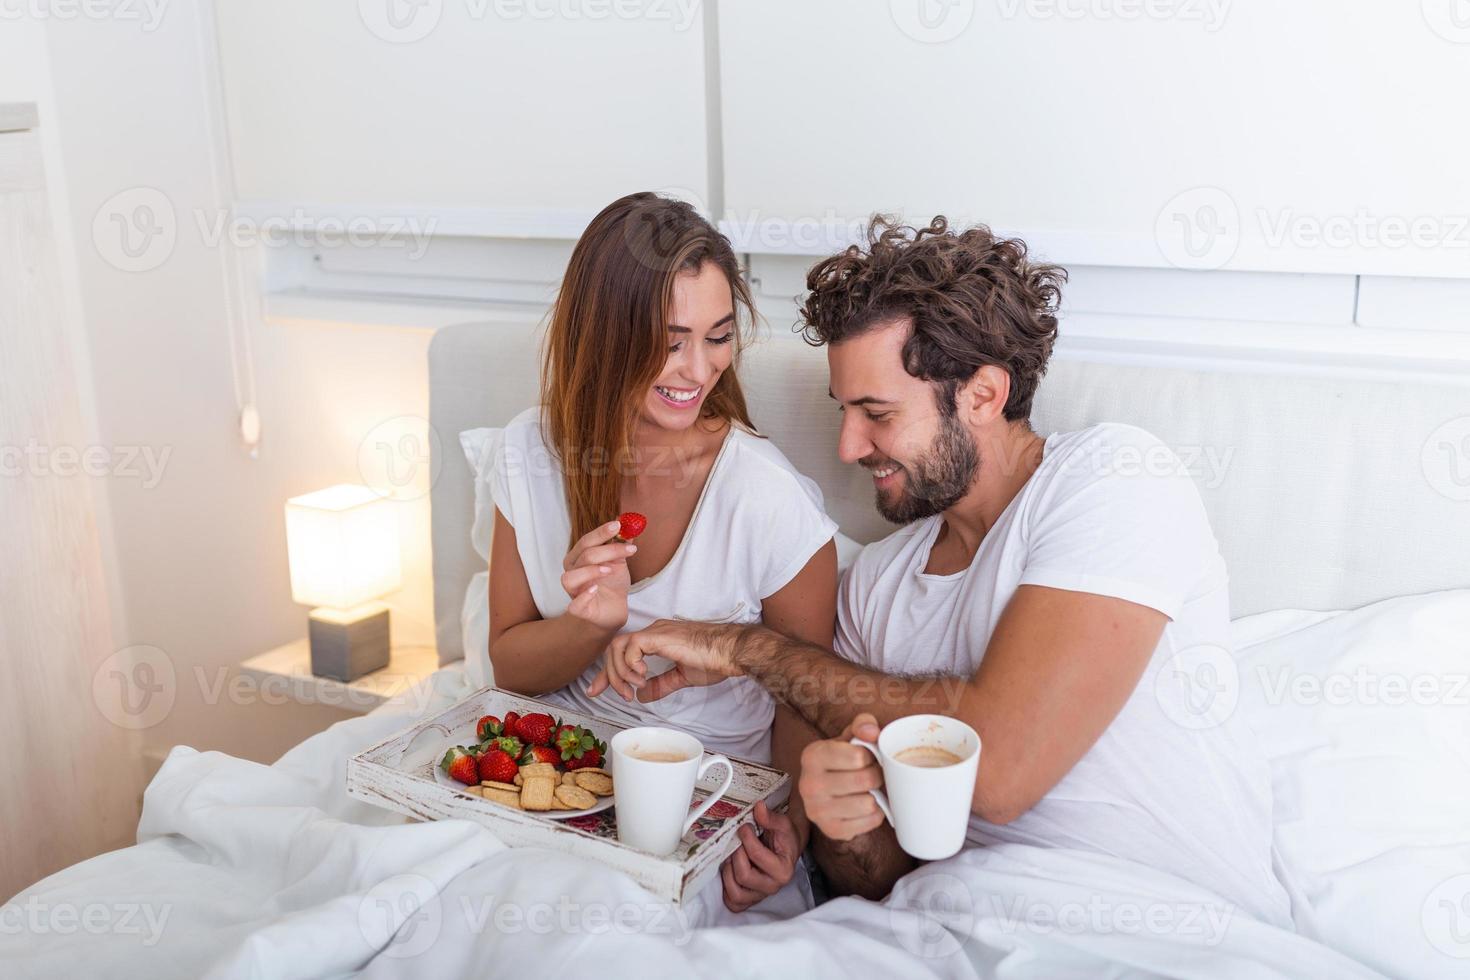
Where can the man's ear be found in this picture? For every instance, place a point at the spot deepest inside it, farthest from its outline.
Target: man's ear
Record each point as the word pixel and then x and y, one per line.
pixel 982 399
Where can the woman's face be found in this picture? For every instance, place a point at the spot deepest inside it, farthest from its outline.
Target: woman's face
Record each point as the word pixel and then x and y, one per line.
pixel 701 324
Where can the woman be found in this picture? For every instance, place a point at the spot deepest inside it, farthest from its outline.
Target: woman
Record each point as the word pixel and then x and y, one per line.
pixel 642 411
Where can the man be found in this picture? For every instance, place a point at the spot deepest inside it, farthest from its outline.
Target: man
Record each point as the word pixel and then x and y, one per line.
pixel 1048 584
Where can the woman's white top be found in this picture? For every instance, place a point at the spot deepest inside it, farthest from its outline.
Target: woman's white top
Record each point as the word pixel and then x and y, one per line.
pixel 756 525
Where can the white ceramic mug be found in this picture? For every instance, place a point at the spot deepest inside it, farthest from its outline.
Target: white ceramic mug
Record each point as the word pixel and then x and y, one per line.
pixel 652 797
pixel 929 806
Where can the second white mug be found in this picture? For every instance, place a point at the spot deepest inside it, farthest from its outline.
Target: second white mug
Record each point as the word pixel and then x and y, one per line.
pixel 928 805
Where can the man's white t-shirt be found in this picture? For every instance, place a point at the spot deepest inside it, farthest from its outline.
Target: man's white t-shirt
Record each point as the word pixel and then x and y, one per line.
pixel 1175 782
pixel 756 525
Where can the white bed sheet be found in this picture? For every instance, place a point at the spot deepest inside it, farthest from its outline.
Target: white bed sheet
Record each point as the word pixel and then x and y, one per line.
pixel 245 870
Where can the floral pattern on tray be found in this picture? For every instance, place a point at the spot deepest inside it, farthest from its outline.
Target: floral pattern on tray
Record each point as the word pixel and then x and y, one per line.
pixel 605 824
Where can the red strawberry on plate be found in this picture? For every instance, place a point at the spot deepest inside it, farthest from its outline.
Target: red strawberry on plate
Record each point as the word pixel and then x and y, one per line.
pixel 458 764
pixel 589 757
pixel 487 728
pixel 498 765
pixel 508 727
pixel 579 748
pixel 542 753
pixel 630 525
pixel 508 744
pixel 534 729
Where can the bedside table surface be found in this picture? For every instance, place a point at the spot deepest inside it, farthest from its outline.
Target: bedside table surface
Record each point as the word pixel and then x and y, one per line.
pixel 291 664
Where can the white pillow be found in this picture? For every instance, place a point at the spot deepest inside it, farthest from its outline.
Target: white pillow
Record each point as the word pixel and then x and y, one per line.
pixel 1365 717
pixel 479 447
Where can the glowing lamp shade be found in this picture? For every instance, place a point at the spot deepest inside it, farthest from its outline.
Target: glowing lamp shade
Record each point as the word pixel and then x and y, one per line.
pixel 342 544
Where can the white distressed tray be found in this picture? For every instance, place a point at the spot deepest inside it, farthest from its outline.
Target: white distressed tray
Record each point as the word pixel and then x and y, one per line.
pixel 398 774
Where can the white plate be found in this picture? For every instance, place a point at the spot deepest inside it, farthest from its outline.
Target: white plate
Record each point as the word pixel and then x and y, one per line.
pixel 603 802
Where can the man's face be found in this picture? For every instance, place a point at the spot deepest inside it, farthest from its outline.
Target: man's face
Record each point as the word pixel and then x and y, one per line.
pixel 922 459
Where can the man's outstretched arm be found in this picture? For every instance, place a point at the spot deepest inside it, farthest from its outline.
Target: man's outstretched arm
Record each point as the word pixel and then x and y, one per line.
pixel 1059 667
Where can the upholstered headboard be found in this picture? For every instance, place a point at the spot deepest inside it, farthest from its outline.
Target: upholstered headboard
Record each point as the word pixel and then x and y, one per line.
pixel 1324 493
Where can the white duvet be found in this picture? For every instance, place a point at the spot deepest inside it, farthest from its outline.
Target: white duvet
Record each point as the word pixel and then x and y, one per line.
pixel 244 870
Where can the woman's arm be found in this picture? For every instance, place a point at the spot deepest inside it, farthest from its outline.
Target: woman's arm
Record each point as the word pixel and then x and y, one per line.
pixel 531 655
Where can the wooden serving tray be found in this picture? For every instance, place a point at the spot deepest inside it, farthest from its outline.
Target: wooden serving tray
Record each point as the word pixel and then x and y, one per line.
pixel 398 774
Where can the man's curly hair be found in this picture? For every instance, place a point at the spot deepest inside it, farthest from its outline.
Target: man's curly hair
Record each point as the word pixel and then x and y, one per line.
pixel 974 299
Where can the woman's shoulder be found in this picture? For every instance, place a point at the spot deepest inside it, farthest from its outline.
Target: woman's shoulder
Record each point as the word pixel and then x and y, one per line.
pixel 761 470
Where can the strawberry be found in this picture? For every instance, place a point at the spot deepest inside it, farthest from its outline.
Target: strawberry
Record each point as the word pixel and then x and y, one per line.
pixel 579 747
pixel 542 753
pixel 630 525
pixel 508 744
pixel 487 728
pixel 460 765
pixel 508 727
pixel 535 729
pixel 589 757
pixel 498 765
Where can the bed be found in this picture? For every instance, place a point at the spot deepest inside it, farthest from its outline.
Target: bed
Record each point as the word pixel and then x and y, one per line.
pixel 1342 506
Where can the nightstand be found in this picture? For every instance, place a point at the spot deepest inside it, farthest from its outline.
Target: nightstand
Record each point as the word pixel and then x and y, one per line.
pixel 290 665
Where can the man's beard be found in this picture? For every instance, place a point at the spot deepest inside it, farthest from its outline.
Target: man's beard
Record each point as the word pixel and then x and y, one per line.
pixel 938 479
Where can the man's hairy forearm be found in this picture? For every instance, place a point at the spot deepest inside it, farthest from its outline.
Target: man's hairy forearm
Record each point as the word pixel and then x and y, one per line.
pixel 828 691
pixel 866 866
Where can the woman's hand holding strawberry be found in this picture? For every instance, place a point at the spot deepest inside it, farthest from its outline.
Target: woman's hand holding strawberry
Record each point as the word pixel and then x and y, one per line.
pixel 597 579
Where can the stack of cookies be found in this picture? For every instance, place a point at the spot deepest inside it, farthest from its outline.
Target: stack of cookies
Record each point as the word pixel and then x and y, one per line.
pixel 541 786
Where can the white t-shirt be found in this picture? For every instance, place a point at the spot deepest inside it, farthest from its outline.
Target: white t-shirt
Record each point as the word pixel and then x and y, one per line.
pixel 1176 782
pixel 756 525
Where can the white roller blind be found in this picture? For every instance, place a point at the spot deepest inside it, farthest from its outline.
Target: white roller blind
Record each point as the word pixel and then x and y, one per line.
pixel 465 105
pixel 1310 136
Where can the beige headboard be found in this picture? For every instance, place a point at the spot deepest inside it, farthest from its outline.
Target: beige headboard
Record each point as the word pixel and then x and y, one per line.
pixel 1324 493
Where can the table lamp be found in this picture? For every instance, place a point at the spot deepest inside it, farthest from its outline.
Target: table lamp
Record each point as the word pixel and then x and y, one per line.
pixel 342 544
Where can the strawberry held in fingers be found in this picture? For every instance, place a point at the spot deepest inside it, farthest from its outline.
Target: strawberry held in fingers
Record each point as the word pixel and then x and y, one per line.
pixel 498 766
pixel 630 525
pixel 459 765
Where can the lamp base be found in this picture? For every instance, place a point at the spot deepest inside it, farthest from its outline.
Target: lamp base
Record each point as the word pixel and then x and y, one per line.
pixel 347 643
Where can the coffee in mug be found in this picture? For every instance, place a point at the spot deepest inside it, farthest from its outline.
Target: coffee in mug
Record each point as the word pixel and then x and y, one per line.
pixel 928 756
pixel 654 772
pixel 651 755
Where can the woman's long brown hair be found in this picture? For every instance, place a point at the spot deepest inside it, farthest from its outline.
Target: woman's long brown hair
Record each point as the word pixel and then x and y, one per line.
pixel 608 342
